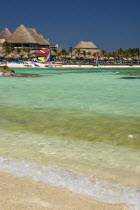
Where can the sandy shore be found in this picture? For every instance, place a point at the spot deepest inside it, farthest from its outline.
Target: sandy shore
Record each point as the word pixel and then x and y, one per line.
pixel 23 193
pixel 16 65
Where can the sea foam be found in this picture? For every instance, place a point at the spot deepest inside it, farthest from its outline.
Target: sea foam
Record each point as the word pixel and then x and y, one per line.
pixel 89 186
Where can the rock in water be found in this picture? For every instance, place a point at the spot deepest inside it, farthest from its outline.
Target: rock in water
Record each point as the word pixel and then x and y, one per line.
pixel 5 70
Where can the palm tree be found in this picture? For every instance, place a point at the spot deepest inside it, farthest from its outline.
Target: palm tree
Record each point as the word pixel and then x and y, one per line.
pixel 8 48
pixel 138 53
pixel 132 52
pixel 70 49
pixel 114 55
pixel 89 53
pixel 18 50
pixel 120 53
pixel 103 53
pixel 64 53
pixel 84 53
pixel 77 51
pixel 27 50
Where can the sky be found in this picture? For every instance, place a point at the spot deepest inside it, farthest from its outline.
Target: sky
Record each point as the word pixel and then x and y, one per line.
pixel 109 24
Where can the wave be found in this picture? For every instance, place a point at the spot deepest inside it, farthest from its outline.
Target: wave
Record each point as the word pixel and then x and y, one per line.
pixel 89 186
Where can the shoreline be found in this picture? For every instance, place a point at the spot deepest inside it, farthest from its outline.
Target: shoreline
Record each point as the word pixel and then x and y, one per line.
pixel 15 65
pixel 25 193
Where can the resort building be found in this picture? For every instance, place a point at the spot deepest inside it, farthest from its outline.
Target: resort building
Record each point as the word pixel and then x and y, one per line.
pixel 26 43
pixel 24 37
pixel 85 49
pixel 4 35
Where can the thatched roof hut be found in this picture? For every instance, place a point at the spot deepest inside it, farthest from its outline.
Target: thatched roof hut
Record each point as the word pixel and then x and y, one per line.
pixel 9 56
pixel 25 56
pixel 2 55
pixel 32 55
pixel 38 37
pixel 85 47
pixel 16 56
pixel 2 52
pixel 5 34
pixel 47 40
pixel 22 36
pixel 102 58
pixel 111 58
pixel 27 37
pixel 2 41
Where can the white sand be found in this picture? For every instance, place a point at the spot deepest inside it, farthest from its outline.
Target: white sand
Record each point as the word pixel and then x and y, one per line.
pixel 16 65
pixel 23 193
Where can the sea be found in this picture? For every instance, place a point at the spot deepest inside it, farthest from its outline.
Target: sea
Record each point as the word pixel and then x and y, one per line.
pixel 75 128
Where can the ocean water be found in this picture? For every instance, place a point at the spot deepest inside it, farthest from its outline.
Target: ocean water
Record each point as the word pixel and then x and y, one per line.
pixel 79 129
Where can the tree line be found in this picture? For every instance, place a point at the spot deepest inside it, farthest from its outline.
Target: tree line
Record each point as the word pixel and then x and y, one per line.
pixel 129 53
pixel 120 54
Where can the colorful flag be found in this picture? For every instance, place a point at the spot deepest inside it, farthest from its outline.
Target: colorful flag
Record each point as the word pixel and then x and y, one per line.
pixel 96 55
pixel 45 56
pixel 43 59
pixel 42 51
pixel 48 56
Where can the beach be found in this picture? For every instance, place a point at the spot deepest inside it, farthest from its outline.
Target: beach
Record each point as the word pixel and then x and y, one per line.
pixel 41 65
pixel 69 139
pixel 70 105
pixel 24 193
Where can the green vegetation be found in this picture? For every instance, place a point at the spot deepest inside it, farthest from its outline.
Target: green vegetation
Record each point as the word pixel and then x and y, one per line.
pixel 120 54
pixel 8 48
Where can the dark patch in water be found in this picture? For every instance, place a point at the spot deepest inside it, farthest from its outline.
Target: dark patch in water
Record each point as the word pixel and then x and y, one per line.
pixel 130 78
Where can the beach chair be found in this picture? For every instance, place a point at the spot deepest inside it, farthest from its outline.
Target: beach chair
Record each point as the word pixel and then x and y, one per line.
pixel 36 65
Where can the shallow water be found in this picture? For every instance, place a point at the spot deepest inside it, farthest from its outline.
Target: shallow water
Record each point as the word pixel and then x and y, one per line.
pixel 83 120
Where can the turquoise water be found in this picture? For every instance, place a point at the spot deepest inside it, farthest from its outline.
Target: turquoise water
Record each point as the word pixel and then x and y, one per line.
pixel 84 120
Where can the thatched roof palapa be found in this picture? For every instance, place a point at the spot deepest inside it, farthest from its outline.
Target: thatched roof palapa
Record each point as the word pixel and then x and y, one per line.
pixel 22 35
pixel 86 45
pixel 2 51
pixel 2 41
pixel 38 37
pixel 33 55
pixel 48 41
pixel 5 34
pixel 9 56
pixel 2 55
pixel 25 56
pixel 16 56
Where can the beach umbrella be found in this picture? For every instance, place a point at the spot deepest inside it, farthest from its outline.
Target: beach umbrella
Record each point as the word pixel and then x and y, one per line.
pixel 25 56
pixel 16 56
pixel 9 56
pixel 2 55
pixel 33 55
pixel 73 57
pixel 68 56
pixel 111 59
pixel 102 58
pixel 22 53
